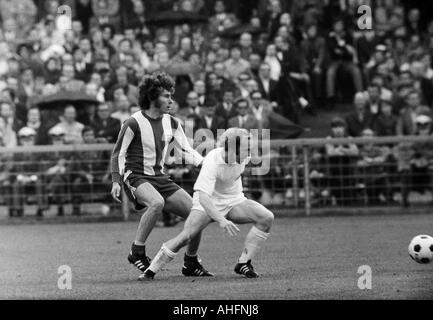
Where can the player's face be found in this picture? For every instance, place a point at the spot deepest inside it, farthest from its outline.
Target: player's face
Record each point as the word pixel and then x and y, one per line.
pixel 164 102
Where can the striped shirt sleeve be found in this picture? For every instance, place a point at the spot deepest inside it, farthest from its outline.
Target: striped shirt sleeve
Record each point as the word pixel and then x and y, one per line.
pixel 181 144
pixel 118 156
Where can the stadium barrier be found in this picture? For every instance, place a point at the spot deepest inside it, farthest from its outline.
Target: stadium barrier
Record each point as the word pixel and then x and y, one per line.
pixel 304 175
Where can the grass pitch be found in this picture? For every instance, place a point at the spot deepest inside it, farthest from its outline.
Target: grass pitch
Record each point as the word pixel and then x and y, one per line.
pixel 304 258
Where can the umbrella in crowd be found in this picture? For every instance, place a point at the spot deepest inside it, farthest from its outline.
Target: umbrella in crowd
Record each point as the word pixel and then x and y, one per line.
pixel 52 105
pixel 182 68
pixel 236 31
pixel 62 98
pixel 176 17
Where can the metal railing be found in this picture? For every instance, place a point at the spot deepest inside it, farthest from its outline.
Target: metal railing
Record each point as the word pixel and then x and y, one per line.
pixel 304 174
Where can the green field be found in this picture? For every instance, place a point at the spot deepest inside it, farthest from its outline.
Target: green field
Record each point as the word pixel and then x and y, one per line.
pixel 305 258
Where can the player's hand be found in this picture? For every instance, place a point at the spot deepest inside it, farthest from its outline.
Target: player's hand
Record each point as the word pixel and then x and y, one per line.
pixel 229 227
pixel 115 192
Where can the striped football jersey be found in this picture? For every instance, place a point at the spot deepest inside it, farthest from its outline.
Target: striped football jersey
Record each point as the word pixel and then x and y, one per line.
pixel 142 145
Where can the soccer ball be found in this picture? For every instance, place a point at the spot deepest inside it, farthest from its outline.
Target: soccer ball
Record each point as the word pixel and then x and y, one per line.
pixel 421 249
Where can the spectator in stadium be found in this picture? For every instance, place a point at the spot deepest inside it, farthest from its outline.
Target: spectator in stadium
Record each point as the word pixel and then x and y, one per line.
pixel 267 86
pixel 226 109
pixel 236 65
pixel 360 118
pixel 89 173
pixel 200 89
pixel 34 122
pixel 130 90
pixel 71 128
pixel 341 159
pixel 342 54
pixel 385 123
pixel 244 118
pixel 242 84
pixel 406 120
pixel 10 124
pixel 273 61
pixel 106 128
pixel 121 107
pixel 246 45
pixel 372 169
pixel 261 109
pixel 83 69
pixel 255 61
pixel 208 119
pixel 26 177
pixel 221 19
pixel 70 83
pixel 422 159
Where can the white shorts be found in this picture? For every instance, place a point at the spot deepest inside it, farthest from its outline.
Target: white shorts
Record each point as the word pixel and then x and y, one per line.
pixel 223 205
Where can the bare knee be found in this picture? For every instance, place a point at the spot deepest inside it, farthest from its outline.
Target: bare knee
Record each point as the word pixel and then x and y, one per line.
pixel 155 206
pixel 266 220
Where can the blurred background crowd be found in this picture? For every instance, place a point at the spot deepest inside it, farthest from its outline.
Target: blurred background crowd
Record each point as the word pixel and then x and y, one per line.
pixel 256 64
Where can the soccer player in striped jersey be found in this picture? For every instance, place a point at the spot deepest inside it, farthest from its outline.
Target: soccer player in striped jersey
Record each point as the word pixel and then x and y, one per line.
pixel 219 197
pixel 138 162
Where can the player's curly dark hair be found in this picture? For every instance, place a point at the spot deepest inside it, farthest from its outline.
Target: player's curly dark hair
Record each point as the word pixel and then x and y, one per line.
pixel 151 86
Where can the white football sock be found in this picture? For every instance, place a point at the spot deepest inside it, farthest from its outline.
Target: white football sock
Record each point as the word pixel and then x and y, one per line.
pixel 253 242
pixel 163 257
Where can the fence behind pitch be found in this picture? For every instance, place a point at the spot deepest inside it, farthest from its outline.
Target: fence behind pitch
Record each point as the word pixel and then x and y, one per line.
pixel 305 175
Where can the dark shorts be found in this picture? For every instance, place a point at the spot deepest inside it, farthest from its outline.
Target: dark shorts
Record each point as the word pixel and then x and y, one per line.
pixel 163 184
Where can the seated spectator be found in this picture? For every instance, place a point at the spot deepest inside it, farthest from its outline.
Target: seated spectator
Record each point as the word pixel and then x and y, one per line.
pixel 10 124
pixel 57 169
pixel 69 82
pixel 226 109
pixel 360 118
pixel 341 160
pixel 34 122
pixel 89 172
pixel 236 65
pixel 121 107
pixel 406 120
pixel 207 119
pixel 26 177
pixel 72 129
pixel 385 124
pixel 200 89
pixel 245 119
pixel 374 100
pixel 221 19
pixel 267 86
pixel 415 160
pixel 372 169
pixel 261 110
pixel 106 128
pixel 130 90
pixel 242 83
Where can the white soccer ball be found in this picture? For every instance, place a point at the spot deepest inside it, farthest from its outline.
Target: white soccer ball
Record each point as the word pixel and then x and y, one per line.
pixel 421 249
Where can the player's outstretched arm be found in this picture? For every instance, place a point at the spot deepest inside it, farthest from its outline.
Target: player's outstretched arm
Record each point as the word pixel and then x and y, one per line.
pixel 208 205
pixel 181 143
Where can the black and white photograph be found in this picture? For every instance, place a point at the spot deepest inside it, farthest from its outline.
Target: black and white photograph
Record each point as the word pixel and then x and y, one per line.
pixel 216 155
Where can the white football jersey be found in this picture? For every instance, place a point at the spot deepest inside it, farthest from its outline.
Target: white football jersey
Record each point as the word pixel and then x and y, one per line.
pixel 218 179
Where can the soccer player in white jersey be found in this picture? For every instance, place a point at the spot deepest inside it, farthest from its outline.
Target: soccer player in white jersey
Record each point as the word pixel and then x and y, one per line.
pixel 138 162
pixel 219 197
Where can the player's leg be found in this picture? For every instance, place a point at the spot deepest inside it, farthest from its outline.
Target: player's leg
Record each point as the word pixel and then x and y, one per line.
pixel 180 203
pixel 145 195
pixel 250 211
pixel 194 224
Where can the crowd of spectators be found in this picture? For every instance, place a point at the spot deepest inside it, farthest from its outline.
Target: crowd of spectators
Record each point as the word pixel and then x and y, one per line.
pixel 235 63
